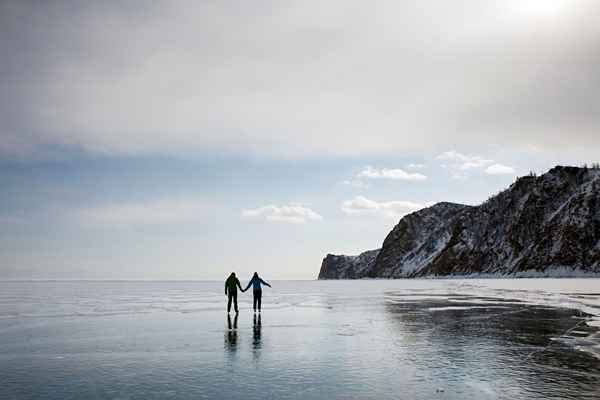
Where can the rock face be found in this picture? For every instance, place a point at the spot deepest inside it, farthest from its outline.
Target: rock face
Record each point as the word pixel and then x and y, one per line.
pixel 416 241
pixel 347 267
pixel 539 225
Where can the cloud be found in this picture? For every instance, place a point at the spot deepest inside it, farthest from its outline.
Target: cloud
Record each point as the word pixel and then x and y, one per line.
pixel 385 173
pixel 292 213
pixel 415 166
pixel 459 164
pixel 458 175
pixel 296 79
pixel 152 212
pixel 355 183
pixel 499 169
pixel 463 162
pixel 393 209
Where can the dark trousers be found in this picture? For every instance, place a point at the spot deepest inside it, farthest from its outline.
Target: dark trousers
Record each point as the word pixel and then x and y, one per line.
pixel 257 298
pixel 234 297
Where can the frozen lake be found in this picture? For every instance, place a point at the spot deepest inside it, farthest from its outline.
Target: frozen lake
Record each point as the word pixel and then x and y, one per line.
pixel 402 339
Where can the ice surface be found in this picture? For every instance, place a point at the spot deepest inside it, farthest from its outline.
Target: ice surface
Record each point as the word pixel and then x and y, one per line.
pixel 370 339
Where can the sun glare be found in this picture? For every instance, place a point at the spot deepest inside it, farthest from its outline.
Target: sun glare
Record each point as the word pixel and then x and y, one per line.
pixel 541 8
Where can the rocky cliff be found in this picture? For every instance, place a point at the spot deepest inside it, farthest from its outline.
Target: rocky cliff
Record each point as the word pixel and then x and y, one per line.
pixel 538 226
pixel 348 267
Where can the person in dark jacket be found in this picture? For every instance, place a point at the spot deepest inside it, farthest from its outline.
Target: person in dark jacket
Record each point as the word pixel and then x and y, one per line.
pixel 231 285
pixel 256 289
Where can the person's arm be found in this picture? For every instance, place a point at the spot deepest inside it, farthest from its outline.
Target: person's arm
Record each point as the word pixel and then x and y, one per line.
pixel 249 283
pixel 237 281
pixel 225 288
pixel 264 283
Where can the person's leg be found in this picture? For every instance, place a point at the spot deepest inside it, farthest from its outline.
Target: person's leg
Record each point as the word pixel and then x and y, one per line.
pixel 235 302
pixel 229 303
pixel 259 298
pixel 254 300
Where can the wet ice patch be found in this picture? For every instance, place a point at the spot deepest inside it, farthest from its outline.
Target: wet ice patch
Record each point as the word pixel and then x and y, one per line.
pixel 589 344
pixel 456 308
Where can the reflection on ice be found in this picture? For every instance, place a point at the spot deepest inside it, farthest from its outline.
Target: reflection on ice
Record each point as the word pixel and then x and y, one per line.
pixel 256 327
pixel 231 334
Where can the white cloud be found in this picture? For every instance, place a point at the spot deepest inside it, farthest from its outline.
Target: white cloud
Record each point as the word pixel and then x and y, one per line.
pixel 462 162
pixel 161 211
pixel 355 183
pixel 499 169
pixel 459 164
pixel 385 173
pixel 291 213
pixel 415 166
pixel 458 175
pixel 393 209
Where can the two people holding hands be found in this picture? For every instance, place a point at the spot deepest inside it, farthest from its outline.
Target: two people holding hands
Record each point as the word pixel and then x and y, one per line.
pixel 231 285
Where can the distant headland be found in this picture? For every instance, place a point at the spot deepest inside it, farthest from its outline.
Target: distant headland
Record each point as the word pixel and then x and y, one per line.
pixel 546 225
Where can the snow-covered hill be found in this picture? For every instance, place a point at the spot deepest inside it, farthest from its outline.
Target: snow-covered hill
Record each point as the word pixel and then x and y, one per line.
pixel 539 226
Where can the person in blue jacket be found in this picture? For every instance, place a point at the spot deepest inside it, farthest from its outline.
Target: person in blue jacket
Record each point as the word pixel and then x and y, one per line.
pixel 256 289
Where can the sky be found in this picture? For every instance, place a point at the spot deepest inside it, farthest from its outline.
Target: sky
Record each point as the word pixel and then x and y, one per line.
pixel 188 139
